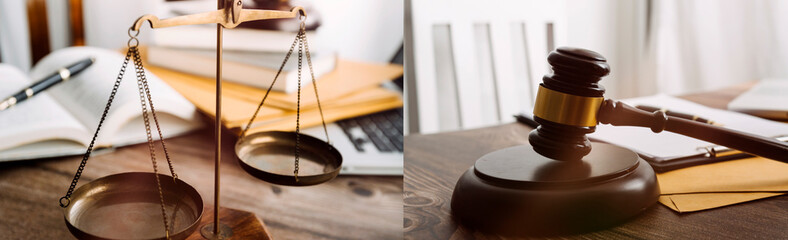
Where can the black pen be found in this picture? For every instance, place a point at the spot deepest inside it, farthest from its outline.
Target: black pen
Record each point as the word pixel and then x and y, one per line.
pixel 62 75
pixel 677 114
pixel 526 119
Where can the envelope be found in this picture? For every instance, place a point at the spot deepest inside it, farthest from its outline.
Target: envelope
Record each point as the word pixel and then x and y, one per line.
pixel 722 184
pixel 692 202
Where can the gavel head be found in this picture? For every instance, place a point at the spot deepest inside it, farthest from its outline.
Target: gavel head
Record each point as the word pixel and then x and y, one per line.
pixel 567 103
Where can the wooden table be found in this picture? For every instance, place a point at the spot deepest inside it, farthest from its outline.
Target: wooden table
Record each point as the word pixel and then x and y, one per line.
pixel 348 207
pixel 433 163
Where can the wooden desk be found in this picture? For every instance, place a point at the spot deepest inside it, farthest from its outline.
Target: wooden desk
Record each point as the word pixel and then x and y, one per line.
pixel 433 163
pixel 348 207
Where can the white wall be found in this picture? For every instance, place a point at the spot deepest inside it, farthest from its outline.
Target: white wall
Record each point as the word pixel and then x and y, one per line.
pixel 690 46
pixel 107 22
pixel 362 30
pixel 703 45
pixel 615 29
pixel 14 37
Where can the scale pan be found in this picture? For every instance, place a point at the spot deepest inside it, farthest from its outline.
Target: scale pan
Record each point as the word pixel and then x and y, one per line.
pixel 127 206
pixel 269 156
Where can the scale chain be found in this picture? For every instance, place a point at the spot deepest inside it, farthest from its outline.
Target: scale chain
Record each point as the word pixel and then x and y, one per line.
pixel 281 67
pixel 138 61
pixel 144 91
pixel 164 148
pixel 298 105
pixel 314 85
pixel 85 157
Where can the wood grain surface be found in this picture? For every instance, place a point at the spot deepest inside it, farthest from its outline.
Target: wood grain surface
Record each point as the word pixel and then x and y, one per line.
pixel 433 163
pixel 348 207
pixel 243 224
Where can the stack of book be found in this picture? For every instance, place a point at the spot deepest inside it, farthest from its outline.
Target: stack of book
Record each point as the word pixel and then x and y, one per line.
pixel 251 56
pixel 352 89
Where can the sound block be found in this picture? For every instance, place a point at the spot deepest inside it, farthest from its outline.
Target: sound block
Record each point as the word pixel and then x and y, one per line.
pixel 516 191
pixel 242 224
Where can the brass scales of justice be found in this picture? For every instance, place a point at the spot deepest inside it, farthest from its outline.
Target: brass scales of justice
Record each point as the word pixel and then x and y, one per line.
pixel 128 206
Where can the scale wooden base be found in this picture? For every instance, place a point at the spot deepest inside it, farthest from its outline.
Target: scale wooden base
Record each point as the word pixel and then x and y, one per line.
pixel 516 191
pixel 244 225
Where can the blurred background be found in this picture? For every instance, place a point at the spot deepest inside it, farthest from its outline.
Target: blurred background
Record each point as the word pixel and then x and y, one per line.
pixel 355 29
pixel 472 64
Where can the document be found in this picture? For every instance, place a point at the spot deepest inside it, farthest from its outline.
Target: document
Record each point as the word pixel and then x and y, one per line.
pixel 668 146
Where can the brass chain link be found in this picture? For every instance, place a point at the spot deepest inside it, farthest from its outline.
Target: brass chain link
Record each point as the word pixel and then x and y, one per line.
pixel 298 105
pixel 282 66
pixel 145 92
pixel 138 62
pixel 314 85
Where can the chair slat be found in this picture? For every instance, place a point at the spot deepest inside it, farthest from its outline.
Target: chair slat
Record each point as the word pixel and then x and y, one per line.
pixel 497 51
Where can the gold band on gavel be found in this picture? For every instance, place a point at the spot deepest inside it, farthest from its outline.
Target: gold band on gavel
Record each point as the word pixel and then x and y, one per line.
pixel 565 108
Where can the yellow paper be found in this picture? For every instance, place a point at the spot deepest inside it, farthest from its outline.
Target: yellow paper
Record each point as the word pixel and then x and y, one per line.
pixel 348 77
pixel 746 175
pixel 722 184
pixel 238 105
pixel 237 111
pixel 354 105
pixel 312 118
pixel 692 202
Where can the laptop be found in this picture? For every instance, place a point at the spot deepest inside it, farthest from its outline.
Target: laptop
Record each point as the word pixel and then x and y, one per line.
pixel 370 144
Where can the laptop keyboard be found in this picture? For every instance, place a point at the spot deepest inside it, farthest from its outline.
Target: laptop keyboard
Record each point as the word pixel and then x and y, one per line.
pixel 383 129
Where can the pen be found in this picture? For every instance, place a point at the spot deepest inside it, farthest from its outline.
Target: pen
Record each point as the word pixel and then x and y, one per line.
pixel 677 114
pixel 62 75
pixel 526 119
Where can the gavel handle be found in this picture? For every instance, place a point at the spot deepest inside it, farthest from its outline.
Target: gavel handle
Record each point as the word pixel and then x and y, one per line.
pixel 620 114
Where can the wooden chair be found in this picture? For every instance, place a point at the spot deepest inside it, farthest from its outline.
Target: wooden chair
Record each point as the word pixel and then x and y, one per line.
pixel 476 63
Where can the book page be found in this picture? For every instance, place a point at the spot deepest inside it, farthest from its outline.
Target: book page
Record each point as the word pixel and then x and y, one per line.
pixel 85 95
pixel 667 145
pixel 43 149
pixel 36 119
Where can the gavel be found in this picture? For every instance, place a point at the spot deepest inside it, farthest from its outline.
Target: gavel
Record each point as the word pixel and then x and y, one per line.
pixel 570 103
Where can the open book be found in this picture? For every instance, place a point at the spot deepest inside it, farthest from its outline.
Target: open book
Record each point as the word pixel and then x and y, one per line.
pixel 61 121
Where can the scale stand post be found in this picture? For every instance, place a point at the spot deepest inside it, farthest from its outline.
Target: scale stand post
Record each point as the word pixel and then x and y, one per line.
pixel 230 14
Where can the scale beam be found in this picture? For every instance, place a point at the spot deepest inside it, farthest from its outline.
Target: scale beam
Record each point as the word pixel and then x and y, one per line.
pixel 229 17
